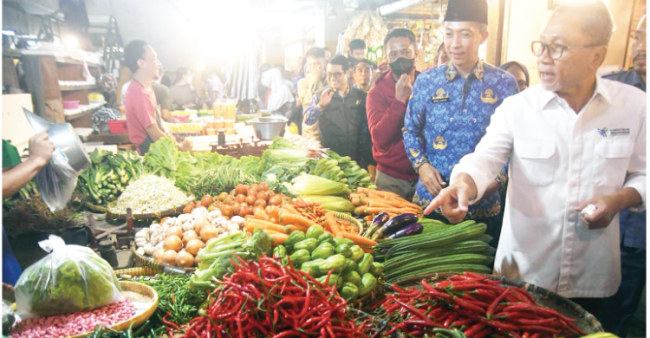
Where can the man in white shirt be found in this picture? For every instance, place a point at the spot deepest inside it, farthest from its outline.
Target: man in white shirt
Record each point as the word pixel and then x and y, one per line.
pixel 573 140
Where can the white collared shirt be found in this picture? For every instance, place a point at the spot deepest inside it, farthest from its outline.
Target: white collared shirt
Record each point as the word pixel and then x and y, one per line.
pixel 558 160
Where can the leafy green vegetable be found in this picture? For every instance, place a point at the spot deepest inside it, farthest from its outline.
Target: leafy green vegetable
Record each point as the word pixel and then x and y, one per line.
pixel 220 178
pixel 215 257
pixel 310 185
pixel 168 161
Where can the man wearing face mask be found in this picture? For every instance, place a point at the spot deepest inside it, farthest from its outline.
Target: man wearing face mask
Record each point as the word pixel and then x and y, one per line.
pixel 451 107
pixel 386 108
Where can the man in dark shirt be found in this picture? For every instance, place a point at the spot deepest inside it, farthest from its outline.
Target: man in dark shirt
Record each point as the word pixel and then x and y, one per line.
pixel 339 111
pixel 620 308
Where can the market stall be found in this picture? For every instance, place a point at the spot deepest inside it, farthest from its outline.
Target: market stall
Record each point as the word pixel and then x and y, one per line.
pixel 296 242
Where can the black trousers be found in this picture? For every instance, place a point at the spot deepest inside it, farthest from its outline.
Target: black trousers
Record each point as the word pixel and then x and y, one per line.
pixel 617 311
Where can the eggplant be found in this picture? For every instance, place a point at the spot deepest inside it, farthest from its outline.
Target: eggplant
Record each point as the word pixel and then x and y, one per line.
pixel 411 229
pixel 377 223
pixel 394 225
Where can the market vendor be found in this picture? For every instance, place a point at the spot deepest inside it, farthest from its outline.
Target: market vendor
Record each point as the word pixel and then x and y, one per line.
pixel 386 108
pixel 451 107
pixel 573 140
pixel 340 112
pixel 16 175
pixel 143 121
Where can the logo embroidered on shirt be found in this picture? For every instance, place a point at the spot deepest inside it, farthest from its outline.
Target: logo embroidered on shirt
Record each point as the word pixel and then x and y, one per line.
pixel 414 152
pixel 440 144
pixel 619 132
pixel 488 96
pixel 441 96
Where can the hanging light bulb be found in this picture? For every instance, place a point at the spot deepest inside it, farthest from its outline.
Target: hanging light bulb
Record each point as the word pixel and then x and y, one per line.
pixel 351 5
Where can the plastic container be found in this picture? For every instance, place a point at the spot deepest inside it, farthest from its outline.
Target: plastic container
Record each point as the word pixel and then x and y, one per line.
pixel 70 104
pixel 117 127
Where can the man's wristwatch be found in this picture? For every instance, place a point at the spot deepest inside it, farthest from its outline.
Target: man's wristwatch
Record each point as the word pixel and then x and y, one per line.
pixel 419 164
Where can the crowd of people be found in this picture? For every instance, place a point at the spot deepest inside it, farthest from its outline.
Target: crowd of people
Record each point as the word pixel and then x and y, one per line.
pixel 472 141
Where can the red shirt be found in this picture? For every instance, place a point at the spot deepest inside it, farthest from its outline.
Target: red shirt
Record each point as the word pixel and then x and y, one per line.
pixel 385 121
pixel 140 106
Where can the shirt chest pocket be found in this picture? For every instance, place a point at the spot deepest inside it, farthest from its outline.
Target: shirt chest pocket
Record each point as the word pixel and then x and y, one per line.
pixel 534 162
pixel 612 160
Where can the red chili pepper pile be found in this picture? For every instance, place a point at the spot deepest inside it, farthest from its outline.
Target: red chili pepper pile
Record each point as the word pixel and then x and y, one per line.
pixel 265 299
pixel 476 305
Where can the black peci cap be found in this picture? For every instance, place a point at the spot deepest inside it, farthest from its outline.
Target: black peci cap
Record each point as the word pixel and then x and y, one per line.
pixel 467 10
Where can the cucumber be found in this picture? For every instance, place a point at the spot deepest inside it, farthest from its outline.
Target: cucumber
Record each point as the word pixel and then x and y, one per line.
pixel 469 246
pixel 441 269
pixel 426 235
pixel 420 265
pixel 457 234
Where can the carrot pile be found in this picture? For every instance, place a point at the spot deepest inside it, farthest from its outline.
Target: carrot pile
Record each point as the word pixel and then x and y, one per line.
pixel 370 202
pixel 280 221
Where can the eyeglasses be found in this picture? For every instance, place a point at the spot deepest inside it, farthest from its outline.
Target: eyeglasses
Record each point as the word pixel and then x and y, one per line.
pixel 334 75
pixel 638 36
pixel 555 51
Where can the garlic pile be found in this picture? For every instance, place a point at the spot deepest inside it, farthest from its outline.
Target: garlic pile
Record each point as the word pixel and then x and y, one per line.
pixel 200 224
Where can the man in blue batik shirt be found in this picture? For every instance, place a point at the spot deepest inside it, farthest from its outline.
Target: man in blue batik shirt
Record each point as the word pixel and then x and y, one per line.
pixel 451 107
pixel 619 309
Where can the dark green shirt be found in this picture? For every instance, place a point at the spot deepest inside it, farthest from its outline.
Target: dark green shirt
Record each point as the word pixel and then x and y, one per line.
pixel 10 156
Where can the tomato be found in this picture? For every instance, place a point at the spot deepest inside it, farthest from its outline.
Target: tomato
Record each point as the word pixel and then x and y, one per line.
pixel 252 192
pixel 256 209
pixel 223 196
pixel 250 199
pixel 263 195
pixel 236 209
pixel 285 198
pixel 244 210
pixel 264 186
pixel 188 209
pixel 275 200
pixel 260 203
pixel 241 189
pixel 206 200
pixel 226 210
pixel 256 187
pixel 240 198
pixel 230 201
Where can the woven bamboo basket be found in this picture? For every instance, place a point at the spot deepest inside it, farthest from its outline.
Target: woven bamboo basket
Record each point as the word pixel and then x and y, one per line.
pixel 144 217
pixel 140 317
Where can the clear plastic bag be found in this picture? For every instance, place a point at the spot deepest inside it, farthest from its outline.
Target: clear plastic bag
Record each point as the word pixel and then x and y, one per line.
pixel 70 279
pixel 57 181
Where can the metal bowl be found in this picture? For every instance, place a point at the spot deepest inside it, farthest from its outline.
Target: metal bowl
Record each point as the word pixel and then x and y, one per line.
pixel 64 139
pixel 268 127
